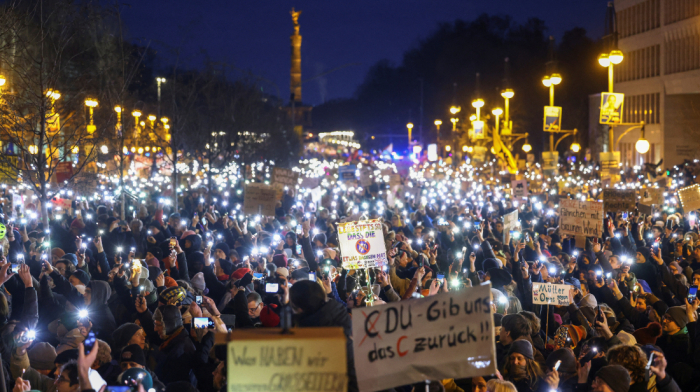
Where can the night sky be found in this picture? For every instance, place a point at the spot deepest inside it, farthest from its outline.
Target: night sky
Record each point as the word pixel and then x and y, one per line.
pixel 253 35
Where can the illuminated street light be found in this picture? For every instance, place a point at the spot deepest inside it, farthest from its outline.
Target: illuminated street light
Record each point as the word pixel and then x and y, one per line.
pixel 465 148
pixel 575 147
pixel 642 145
pixel 454 121
pixel 527 147
pixel 104 149
pixel 410 129
pixel 455 109
pixel 437 124
pixel 2 80
pixel 91 103
pixel 478 104
pixel 448 148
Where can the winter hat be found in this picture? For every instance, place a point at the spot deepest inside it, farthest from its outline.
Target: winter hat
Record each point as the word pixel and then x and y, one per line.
pixel 133 353
pixel 646 252
pixel 282 271
pixel 500 277
pixel 616 376
pixel 42 356
pixel 172 295
pixel 77 223
pixel 300 274
pixel 71 257
pixel 172 318
pixel 321 237
pixel 576 334
pixel 147 285
pixel 522 347
pixel 571 281
pixel 57 252
pixel 186 234
pixel 224 248
pixel 268 317
pixel 567 358
pixel 648 334
pixel 588 300
pixel 675 264
pixel 280 260
pixel 156 252
pixel 154 272
pixel 195 258
pixel 66 356
pixel 82 276
pixel 627 338
pixel 491 263
pixel 239 273
pixel 123 334
pixel 330 252
pixel 198 281
pixel 170 282
pixel 678 315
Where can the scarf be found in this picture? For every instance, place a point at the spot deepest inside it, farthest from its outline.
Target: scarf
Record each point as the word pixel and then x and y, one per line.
pixel 170 338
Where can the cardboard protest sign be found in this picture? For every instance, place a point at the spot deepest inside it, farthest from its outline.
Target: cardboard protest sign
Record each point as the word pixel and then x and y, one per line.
pixel 510 222
pixel 259 199
pixel 310 182
pixel 644 209
pixel 551 294
pixel 619 200
pixel 651 196
pixel 307 359
pixel 64 204
pixel 581 218
pixel 449 335
pixel 394 179
pixel 519 188
pixel 286 177
pixel 347 173
pixel 365 177
pixel 362 244
pixel 690 197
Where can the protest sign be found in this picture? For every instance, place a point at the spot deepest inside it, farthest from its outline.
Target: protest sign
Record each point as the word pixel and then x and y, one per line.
pixel 362 244
pixel 365 177
pixel 690 197
pixel 619 200
pixel 644 209
pixel 519 188
pixel 651 196
pixel 510 222
pixel 312 359
pixel 310 182
pixel 394 179
pixel 286 177
pixel 551 294
pixel 449 335
pixel 347 173
pixel 581 218
pixel 259 199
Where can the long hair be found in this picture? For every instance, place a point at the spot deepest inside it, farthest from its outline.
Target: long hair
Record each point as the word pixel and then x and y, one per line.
pixel 496 385
pixel 533 372
pixel 631 358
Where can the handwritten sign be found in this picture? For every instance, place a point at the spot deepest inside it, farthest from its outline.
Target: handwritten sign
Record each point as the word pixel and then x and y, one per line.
pixel 519 188
pixel 551 294
pixel 286 177
pixel 690 197
pixel 619 200
pixel 510 222
pixel 312 359
pixel 651 196
pixel 581 218
pixel 362 244
pixel 449 335
pixel 394 179
pixel 259 199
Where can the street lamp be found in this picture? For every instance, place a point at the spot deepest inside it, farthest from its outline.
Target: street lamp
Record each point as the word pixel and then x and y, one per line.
pixel 507 94
pixel 497 112
pixel 104 149
pixel 455 109
pixel 609 60
pixel 448 148
pixel 478 104
pixel 642 145
pixel 410 129
pixel 551 81
pixel 2 80
pixel 575 147
pixel 136 115
pixel 91 103
pixel 118 109
pixel 454 121
pixel 527 147
pixel 437 124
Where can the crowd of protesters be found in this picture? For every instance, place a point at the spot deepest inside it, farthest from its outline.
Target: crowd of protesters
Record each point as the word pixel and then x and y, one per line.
pixel 93 300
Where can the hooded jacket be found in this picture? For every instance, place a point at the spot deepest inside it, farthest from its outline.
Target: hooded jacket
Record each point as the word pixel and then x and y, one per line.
pixel 101 316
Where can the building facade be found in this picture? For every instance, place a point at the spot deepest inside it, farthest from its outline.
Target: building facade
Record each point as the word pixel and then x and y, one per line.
pixel 660 77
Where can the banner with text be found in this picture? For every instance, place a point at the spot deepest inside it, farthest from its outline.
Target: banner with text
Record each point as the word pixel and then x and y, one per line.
pixel 649 196
pixel 286 177
pixel 619 200
pixel 519 188
pixel 581 218
pixel 362 244
pixel 449 335
pixel 259 199
pixel 690 198
pixel 551 294
pixel 347 173
pixel 307 359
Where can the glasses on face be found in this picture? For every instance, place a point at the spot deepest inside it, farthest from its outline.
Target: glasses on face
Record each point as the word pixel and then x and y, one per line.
pixel 253 309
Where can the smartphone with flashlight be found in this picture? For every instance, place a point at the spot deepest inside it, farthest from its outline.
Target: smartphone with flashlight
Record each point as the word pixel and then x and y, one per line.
pixel 173 242
pixel 202 323
pixel 89 342
pixel 198 299
pixel 312 276
pixel 272 287
pixel 692 293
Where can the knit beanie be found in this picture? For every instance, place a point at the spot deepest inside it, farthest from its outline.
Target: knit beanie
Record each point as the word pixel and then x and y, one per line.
pixel 491 263
pixel 42 356
pixel 57 252
pixel 522 347
pixel 170 282
pixel 154 272
pixel 123 334
pixel 268 317
pixel 172 295
pixel 224 248
pixel 648 334
pixel 616 376
pixel 576 334
pixel 66 356
pixel 198 281
pixel 239 273
pixel 678 315
pixel 280 260
pixel 156 252
pixel 567 358
pixel 195 258
pixel 82 276
pixel 172 318
pixel 282 271
pixel 71 257
pixel 133 353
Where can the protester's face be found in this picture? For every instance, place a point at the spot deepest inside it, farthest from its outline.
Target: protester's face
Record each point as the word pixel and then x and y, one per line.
pixel 188 244
pixel 499 226
pixel 174 222
pixel 61 268
pixel 254 310
pixel 63 383
pixel 673 269
pixel 504 336
pixel 149 257
pixel 669 325
pixel 158 327
pixel 87 296
pixel 290 241
pixel 478 384
pixel 600 386
pixel 641 305
pixel 74 281
pixel 639 258
pixel 220 254
pixel 139 338
pixel 126 365
pixel 518 359
pixel 615 262
pixel 696 280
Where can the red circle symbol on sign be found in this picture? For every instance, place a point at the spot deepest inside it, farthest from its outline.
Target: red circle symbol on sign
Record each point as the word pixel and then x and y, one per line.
pixel 362 247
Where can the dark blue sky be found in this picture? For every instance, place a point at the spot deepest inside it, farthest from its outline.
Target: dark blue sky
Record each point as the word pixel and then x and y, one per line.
pixel 254 34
